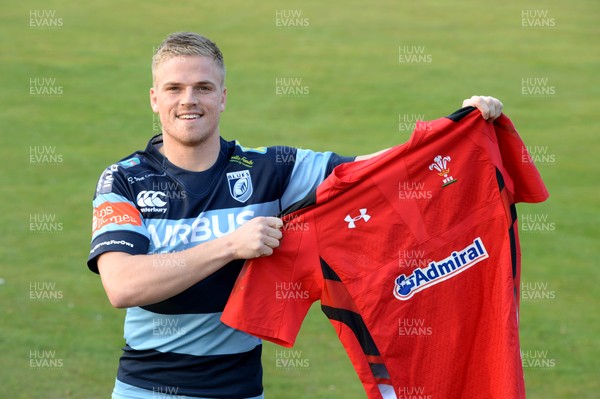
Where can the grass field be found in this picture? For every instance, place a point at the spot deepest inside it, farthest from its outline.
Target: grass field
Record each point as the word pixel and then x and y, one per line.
pixel 75 81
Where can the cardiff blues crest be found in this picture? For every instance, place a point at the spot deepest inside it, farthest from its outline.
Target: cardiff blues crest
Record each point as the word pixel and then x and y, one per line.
pixel 240 185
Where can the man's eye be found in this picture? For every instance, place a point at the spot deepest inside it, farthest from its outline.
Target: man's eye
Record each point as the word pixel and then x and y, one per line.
pixel 172 88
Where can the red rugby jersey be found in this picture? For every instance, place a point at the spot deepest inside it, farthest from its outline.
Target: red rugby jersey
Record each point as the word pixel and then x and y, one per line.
pixel 414 255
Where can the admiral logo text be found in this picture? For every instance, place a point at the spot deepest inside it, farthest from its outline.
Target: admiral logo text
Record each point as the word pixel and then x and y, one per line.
pixel 407 285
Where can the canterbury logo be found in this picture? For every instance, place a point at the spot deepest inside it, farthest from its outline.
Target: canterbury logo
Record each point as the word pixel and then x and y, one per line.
pixel 151 198
pixel 351 220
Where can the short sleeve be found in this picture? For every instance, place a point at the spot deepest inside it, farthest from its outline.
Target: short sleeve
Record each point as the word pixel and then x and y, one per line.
pixel 272 295
pixel 117 224
pixel 526 183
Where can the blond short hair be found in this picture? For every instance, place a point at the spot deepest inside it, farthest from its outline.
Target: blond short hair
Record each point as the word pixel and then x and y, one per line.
pixel 188 43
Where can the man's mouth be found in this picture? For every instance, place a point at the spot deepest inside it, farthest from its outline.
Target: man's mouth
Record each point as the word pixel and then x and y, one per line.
pixel 189 116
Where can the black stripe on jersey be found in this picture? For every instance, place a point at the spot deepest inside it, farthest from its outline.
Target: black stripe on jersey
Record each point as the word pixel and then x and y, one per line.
pixel 220 376
pixel 207 296
pixel 356 323
pixel 328 272
pixel 511 230
pixel 500 180
pixel 513 239
pixel 309 200
pixel 456 116
pixel 379 371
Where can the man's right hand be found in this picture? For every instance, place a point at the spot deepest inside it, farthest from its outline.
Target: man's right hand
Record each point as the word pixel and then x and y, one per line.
pixel 257 237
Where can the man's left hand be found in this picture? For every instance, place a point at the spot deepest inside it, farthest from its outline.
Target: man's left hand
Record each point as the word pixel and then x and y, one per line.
pixel 490 107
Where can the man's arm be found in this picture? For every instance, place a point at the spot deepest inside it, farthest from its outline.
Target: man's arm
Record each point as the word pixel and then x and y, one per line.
pixel 138 280
pixel 490 108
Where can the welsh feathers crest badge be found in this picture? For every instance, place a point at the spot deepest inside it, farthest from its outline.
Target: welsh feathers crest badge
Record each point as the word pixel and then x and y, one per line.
pixel 440 164
pixel 240 185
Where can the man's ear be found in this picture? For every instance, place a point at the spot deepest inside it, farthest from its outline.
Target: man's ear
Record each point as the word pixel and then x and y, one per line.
pixel 223 99
pixel 153 103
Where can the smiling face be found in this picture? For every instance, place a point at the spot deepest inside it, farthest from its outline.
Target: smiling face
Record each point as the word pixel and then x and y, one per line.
pixel 189 96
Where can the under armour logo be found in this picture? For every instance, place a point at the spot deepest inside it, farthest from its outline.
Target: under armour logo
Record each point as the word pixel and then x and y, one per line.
pixel 363 215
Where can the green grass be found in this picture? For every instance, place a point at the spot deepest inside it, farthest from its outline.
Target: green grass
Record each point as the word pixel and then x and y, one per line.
pixel 348 57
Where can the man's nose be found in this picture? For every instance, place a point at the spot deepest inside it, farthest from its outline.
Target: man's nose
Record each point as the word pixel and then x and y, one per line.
pixel 189 97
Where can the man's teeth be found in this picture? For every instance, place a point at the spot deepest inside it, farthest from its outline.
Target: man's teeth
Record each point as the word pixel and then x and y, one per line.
pixel 189 116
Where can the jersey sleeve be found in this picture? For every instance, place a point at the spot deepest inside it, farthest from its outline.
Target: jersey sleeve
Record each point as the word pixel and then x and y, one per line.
pixel 117 224
pixel 310 169
pixel 272 295
pixel 526 184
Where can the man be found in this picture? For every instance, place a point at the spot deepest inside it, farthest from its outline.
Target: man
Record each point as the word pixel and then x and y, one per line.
pixel 174 223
